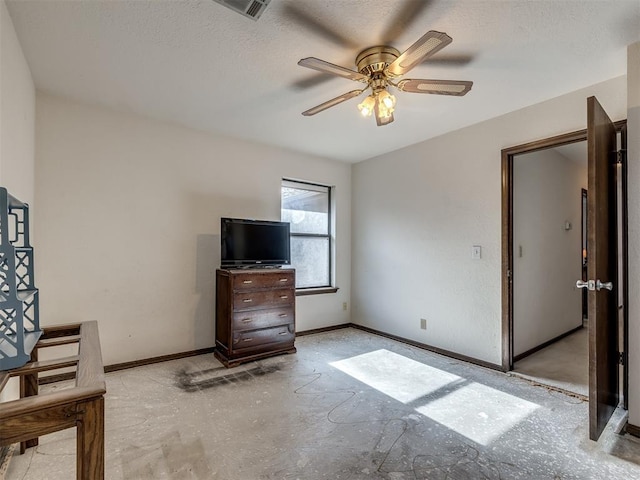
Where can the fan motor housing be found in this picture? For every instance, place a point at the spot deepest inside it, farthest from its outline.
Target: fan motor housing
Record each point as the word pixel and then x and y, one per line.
pixel 375 59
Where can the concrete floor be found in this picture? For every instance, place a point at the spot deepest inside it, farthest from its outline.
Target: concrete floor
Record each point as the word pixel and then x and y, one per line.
pixel 564 364
pixel 348 405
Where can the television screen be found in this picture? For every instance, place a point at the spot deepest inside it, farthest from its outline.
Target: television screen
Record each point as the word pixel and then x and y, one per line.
pixel 254 243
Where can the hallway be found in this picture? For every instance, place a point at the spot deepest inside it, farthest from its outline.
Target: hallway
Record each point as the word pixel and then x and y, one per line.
pixel 563 365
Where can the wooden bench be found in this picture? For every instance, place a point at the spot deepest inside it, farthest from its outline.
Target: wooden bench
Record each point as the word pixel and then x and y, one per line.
pixel 81 406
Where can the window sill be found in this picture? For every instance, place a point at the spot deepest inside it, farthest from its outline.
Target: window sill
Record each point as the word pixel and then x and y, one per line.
pixel 315 291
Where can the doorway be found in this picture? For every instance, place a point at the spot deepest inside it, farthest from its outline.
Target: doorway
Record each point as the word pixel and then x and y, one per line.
pixel 550 344
pixel 600 154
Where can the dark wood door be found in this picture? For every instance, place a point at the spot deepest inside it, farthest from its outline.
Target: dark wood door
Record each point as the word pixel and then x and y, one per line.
pixel 602 267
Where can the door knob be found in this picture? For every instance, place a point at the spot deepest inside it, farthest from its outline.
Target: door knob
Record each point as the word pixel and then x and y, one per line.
pixel 589 284
pixel 606 285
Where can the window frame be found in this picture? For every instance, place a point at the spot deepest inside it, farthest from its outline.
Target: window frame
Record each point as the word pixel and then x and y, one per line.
pixel 316 289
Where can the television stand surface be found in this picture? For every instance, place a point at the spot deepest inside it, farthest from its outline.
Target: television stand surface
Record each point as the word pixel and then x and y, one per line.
pixel 257 267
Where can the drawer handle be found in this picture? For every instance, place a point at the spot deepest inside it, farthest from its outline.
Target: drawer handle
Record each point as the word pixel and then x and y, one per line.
pixel 284 296
pixel 247 339
pixel 282 315
pixel 247 320
pixel 284 280
pixel 247 300
pixel 248 281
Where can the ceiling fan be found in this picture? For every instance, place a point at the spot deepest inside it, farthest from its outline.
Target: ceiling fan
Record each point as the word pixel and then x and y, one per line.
pixel 380 68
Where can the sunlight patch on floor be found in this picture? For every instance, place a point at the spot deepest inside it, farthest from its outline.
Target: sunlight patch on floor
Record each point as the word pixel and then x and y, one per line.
pixel 394 375
pixel 476 411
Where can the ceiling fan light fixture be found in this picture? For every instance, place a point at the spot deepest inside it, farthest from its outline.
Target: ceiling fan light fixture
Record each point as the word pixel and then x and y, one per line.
pixel 383 115
pixel 386 99
pixel 367 106
pixel 383 112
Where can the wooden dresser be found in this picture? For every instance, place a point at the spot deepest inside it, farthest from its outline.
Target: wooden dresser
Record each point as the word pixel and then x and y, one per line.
pixel 255 314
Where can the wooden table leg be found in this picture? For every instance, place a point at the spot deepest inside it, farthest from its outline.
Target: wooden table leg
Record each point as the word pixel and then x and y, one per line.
pixel 29 388
pixel 90 438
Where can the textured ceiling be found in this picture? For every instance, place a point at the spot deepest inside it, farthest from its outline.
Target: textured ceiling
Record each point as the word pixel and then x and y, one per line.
pixel 202 65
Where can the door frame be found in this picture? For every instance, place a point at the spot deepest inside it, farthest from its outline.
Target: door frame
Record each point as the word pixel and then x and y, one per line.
pixel 584 196
pixel 507 231
pixel 625 262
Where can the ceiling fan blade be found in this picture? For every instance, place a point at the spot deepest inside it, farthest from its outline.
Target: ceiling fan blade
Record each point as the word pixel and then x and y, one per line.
pixel 455 60
pixel 427 45
pixel 438 87
pixel 332 102
pixel 326 67
pixel 301 15
pixel 408 14
pixel 310 82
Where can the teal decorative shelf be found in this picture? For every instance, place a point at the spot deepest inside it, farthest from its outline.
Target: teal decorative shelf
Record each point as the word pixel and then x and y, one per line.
pixel 19 312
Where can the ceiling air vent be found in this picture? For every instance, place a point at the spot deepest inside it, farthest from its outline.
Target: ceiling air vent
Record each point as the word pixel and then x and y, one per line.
pixel 249 8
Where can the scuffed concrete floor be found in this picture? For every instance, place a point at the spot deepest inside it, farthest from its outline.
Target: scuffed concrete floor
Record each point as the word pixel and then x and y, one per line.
pixel 348 405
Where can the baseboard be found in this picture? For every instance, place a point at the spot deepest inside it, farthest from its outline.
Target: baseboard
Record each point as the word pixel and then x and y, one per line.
pixel 632 430
pixel 202 351
pixel 59 377
pixel 175 356
pixel 431 348
pixel 125 365
pixel 522 355
pixel 323 329
pixel 160 359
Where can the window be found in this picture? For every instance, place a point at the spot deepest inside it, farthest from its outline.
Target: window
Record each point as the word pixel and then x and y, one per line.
pixel 307 207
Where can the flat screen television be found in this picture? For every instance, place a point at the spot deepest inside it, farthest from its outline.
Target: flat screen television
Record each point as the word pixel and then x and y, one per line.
pixel 254 243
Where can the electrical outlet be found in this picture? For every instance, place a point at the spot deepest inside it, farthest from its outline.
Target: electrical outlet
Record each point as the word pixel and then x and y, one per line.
pixel 344 306
pixel 423 323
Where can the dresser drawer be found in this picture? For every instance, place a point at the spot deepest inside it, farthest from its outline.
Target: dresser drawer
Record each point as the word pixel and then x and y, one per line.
pixel 263 299
pixel 244 340
pixel 253 319
pixel 269 279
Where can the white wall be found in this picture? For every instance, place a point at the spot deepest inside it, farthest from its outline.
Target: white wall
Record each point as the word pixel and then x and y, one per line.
pixel 547 258
pixel 633 155
pixel 418 211
pixel 129 224
pixel 17 119
pixel 17 114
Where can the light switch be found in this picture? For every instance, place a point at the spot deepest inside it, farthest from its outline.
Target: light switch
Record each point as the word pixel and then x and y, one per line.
pixel 476 252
